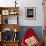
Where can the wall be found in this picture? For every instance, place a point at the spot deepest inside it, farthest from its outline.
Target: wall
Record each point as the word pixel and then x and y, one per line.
pixel 39 13
pixel 27 3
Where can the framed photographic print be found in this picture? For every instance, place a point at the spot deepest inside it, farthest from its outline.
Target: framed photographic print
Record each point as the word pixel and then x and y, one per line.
pixel 5 12
pixel 30 13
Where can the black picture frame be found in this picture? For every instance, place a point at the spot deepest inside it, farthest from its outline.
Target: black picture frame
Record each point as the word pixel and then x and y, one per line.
pixel 30 13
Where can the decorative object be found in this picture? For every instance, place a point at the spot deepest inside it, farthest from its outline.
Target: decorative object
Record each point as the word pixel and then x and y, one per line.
pixel 6 21
pixel 5 12
pixel 15 37
pixel 30 38
pixel 15 3
pixel 7 34
pixel 15 30
pixel 13 12
pixel 30 13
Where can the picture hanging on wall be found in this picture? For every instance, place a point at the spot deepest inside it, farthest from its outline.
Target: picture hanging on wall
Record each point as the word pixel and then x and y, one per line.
pixel 30 13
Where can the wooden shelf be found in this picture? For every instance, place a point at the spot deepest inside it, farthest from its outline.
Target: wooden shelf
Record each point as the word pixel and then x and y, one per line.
pixel 11 26
pixel 9 43
pixel 4 13
pixel 3 8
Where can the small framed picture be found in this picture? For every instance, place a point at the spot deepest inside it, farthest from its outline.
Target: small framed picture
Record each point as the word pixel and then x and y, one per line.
pixel 30 13
pixel 5 12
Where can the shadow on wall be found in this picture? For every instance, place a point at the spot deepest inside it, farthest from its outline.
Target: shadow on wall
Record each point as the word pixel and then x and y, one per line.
pixel 37 29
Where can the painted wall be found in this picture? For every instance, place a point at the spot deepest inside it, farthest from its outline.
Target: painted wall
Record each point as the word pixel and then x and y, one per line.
pixel 26 3
pixel 39 13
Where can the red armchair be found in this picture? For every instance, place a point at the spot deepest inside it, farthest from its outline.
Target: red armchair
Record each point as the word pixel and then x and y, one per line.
pixel 29 34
